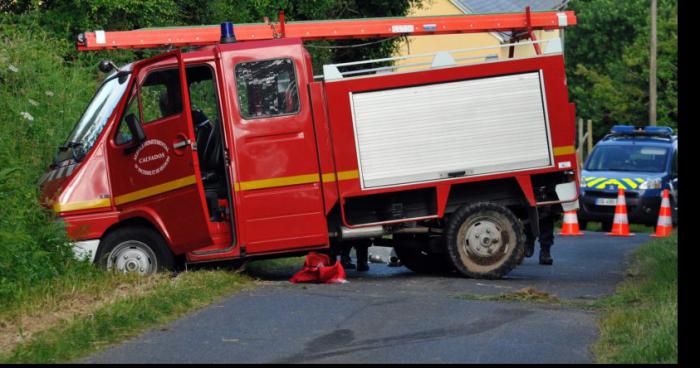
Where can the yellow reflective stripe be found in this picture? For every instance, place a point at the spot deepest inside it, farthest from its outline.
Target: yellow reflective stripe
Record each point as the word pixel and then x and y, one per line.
pixel 279 182
pixel 155 190
pixel 328 178
pixel 608 182
pixel 639 180
pixel 632 184
pixel 348 175
pixel 82 205
pixel 295 180
pixel 564 150
pixel 595 181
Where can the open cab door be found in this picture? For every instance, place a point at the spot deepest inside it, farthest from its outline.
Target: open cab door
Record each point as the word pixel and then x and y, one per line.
pixel 153 164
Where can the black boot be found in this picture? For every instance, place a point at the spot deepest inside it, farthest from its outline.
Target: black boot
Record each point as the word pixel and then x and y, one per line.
pixel 346 261
pixel 545 257
pixel 529 248
pixel 362 257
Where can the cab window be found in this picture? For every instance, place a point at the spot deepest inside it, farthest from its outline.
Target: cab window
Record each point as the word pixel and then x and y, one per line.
pixel 267 88
pixel 161 97
pixel 123 132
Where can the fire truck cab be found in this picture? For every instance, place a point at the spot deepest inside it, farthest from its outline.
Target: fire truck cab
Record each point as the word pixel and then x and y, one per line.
pixel 236 151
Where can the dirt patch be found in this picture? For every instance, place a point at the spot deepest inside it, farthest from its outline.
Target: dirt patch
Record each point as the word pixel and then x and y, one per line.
pixel 530 294
pixel 67 306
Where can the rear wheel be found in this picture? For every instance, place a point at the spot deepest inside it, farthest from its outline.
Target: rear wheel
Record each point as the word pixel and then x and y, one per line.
pixel 137 249
pixel 485 240
pixel 415 253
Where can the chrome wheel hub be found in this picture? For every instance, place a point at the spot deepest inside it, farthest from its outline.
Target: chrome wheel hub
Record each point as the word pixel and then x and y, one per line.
pixel 132 257
pixel 483 238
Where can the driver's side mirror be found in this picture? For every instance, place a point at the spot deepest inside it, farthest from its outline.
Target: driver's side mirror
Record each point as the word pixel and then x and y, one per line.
pixel 136 129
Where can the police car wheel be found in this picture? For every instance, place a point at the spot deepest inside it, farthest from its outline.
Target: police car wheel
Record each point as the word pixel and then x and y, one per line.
pixel 137 249
pixel 485 240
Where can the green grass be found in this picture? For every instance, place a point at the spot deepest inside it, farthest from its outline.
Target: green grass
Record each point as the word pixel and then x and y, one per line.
pixel 163 301
pixel 640 321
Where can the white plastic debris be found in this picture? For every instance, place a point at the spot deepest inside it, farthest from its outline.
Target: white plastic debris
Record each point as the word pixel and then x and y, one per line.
pixel 13 68
pixel 27 116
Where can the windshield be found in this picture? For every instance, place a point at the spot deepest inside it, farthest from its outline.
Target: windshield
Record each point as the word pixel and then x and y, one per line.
pixel 628 158
pixel 90 125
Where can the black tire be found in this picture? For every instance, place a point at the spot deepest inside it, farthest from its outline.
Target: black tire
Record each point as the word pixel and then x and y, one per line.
pixel 497 252
pixel 606 225
pixel 139 249
pixel 414 252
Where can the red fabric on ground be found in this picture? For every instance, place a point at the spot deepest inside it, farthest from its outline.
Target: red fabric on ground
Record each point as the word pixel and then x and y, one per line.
pixel 316 270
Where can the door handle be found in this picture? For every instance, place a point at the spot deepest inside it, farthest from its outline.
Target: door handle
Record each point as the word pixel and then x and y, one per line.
pixel 182 144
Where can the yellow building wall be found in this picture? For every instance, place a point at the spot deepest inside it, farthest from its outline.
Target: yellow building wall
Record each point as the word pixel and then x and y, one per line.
pixel 431 44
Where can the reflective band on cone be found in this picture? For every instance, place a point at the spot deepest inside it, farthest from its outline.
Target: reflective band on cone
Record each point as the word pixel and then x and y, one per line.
pixel 665 223
pixel 570 225
pixel 621 226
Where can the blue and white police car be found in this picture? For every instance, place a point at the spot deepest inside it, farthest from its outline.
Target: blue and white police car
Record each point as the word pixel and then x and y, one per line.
pixel 643 162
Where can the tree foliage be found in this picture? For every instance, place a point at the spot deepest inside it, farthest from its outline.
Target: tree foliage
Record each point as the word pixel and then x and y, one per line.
pixel 67 18
pixel 607 57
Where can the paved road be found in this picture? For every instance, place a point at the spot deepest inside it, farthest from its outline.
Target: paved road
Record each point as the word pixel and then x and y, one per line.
pixel 394 315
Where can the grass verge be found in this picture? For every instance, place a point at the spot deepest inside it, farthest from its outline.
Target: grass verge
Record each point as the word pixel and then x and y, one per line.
pixel 640 321
pixel 97 319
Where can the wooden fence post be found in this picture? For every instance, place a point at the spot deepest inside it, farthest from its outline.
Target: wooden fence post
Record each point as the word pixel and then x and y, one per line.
pixel 590 137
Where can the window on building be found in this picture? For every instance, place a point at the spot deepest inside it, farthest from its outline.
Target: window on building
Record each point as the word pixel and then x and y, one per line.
pixel 267 88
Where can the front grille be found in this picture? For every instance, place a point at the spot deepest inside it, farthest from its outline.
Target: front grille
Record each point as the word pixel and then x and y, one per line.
pixel 602 194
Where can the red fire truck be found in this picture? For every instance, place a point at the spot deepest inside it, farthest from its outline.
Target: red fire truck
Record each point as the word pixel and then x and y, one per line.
pixel 235 150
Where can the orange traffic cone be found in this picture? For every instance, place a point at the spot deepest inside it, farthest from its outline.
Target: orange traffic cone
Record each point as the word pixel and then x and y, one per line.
pixel 570 225
pixel 665 223
pixel 621 226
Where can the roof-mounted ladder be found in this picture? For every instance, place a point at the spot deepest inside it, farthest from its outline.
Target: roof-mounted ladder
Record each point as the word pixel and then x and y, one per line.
pixel 327 30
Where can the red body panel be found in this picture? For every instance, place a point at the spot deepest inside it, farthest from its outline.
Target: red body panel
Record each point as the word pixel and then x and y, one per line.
pixel 341 123
pixel 278 193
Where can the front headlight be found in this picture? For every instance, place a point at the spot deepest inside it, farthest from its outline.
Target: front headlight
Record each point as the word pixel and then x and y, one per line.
pixel 654 183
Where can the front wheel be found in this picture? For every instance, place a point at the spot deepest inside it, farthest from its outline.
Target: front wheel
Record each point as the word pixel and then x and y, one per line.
pixel 137 250
pixel 485 240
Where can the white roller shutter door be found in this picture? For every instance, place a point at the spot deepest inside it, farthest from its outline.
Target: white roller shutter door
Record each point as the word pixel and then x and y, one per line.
pixel 465 128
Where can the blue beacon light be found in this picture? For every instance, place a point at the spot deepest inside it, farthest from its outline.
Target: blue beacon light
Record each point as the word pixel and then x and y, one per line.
pixel 227 35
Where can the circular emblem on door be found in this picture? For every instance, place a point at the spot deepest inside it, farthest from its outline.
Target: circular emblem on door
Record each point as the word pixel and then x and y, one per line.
pixel 152 157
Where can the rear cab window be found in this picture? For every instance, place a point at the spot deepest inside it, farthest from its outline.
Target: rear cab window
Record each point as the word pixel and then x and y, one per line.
pixel 267 88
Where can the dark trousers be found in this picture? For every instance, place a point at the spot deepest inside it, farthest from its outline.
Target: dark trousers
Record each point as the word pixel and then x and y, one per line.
pixel 546 233
pixel 361 250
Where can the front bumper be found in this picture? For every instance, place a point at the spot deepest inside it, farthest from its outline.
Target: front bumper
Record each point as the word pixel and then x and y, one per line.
pixel 642 206
pixel 86 249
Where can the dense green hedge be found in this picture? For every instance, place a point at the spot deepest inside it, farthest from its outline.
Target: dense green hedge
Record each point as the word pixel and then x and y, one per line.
pixel 42 93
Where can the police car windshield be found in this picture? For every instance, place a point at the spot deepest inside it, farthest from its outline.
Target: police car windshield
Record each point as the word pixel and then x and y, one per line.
pixel 628 158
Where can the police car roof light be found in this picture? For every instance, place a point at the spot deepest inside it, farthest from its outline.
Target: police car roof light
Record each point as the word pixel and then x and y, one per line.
pixel 623 129
pixel 659 130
